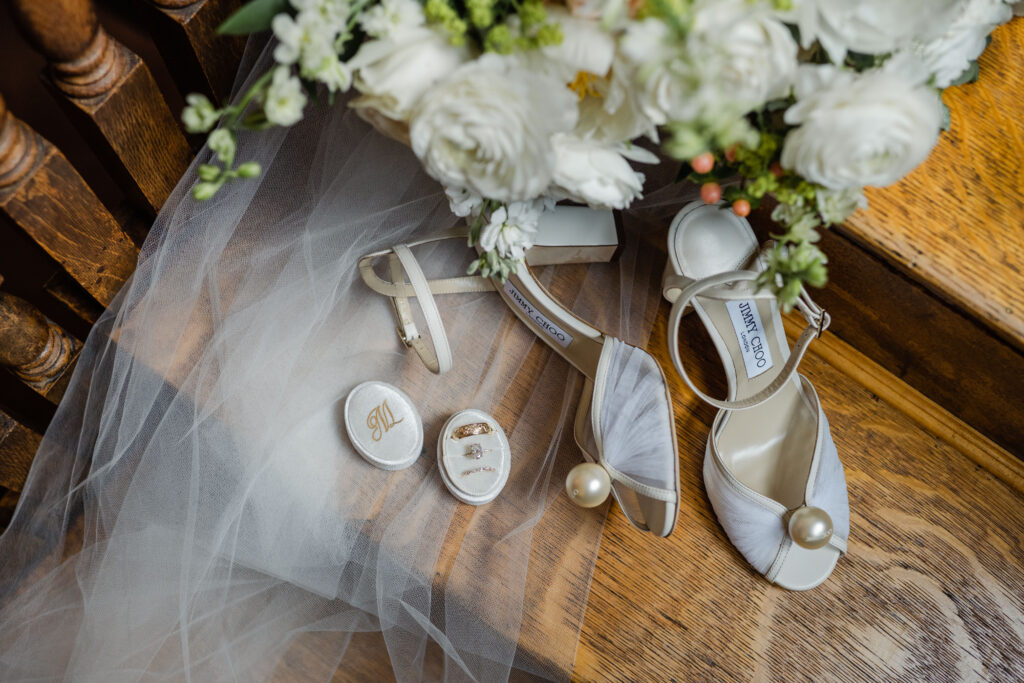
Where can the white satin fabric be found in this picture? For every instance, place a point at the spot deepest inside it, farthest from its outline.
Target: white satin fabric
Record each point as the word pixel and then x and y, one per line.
pixel 196 510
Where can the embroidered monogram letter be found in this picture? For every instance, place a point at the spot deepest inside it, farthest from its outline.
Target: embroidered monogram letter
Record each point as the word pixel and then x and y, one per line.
pixel 381 420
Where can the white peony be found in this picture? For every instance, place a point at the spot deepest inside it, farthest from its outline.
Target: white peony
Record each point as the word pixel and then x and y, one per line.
pixel 585 48
pixel 391 17
pixel 392 73
pixel 597 173
pixel 488 128
pixel 512 229
pixel 869 26
pixel 612 110
pixel 949 55
pixel 285 99
pixel 858 129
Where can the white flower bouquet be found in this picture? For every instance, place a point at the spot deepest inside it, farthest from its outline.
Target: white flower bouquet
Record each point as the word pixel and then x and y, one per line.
pixel 513 105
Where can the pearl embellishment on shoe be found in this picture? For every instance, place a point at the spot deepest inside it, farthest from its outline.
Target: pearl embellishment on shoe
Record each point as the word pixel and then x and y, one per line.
pixel 588 485
pixel 810 527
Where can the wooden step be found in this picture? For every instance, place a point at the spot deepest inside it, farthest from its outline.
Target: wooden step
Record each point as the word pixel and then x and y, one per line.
pixel 929 280
pixel 930 589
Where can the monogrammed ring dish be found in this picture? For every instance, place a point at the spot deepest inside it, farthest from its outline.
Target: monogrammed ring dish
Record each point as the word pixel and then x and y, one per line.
pixel 383 425
pixel 771 469
pixel 473 456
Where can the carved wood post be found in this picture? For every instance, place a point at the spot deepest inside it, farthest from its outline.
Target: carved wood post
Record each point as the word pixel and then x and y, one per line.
pixel 46 197
pixel 185 31
pixel 18 446
pixel 112 93
pixel 36 350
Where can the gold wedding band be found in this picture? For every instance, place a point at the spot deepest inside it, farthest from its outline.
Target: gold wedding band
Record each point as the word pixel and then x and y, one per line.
pixel 473 429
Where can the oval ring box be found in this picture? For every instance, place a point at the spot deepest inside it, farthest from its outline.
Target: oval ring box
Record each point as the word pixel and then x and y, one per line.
pixel 474 480
pixel 383 425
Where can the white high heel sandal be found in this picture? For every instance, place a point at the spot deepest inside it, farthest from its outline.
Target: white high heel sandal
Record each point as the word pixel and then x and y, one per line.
pixel 771 469
pixel 629 438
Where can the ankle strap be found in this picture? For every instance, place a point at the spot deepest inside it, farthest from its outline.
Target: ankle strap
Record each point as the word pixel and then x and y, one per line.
pixel 437 355
pixel 817 322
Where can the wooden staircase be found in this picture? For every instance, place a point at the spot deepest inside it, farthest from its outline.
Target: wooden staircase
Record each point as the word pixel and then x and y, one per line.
pixel 922 375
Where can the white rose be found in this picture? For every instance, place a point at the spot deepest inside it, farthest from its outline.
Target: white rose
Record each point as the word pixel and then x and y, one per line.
pixel 869 26
pixel 747 54
pixel 858 129
pixel 597 173
pixel 512 229
pixel 488 128
pixel 285 98
pixel 949 55
pixel 661 71
pixel 392 73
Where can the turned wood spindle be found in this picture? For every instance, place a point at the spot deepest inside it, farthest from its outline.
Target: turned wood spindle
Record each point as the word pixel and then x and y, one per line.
pixel 112 95
pixel 35 349
pixel 84 61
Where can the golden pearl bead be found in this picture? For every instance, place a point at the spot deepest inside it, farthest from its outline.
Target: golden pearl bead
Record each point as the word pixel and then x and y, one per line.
pixel 810 527
pixel 588 485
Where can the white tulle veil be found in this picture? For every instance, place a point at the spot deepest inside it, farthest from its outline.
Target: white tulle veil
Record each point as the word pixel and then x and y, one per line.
pixel 196 510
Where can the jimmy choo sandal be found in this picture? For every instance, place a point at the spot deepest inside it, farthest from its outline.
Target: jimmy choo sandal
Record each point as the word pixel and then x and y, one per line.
pixel 624 424
pixel 771 469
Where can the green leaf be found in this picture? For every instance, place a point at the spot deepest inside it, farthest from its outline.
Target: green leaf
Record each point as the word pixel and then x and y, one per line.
pixel 970 74
pixel 946 121
pixel 253 17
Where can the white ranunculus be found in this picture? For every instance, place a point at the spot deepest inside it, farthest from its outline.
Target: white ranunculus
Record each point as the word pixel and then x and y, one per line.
pixel 949 55
pixel 858 129
pixel 747 54
pixel 285 98
pixel 597 173
pixel 391 17
pixel 512 229
pixel 392 73
pixel 488 128
pixel 869 26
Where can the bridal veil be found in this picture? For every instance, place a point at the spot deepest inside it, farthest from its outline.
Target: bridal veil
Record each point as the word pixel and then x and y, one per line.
pixel 196 510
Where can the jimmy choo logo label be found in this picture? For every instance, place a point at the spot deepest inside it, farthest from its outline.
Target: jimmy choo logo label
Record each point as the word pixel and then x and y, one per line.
pixel 746 323
pixel 381 420
pixel 561 337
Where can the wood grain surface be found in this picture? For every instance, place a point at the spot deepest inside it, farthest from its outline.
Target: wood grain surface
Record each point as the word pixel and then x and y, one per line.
pixel 932 345
pixel 956 223
pixel 931 588
pixel 46 197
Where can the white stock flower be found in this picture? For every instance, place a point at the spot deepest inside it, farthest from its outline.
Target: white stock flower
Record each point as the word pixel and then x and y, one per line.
pixel 597 173
pixel 949 55
pixel 333 13
pixel 285 99
pixel 463 202
pixel 390 17
pixel 488 128
pixel 304 33
pixel 856 130
pixel 869 26
pixel 511 231
pixel 200 115
pixel 392 73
